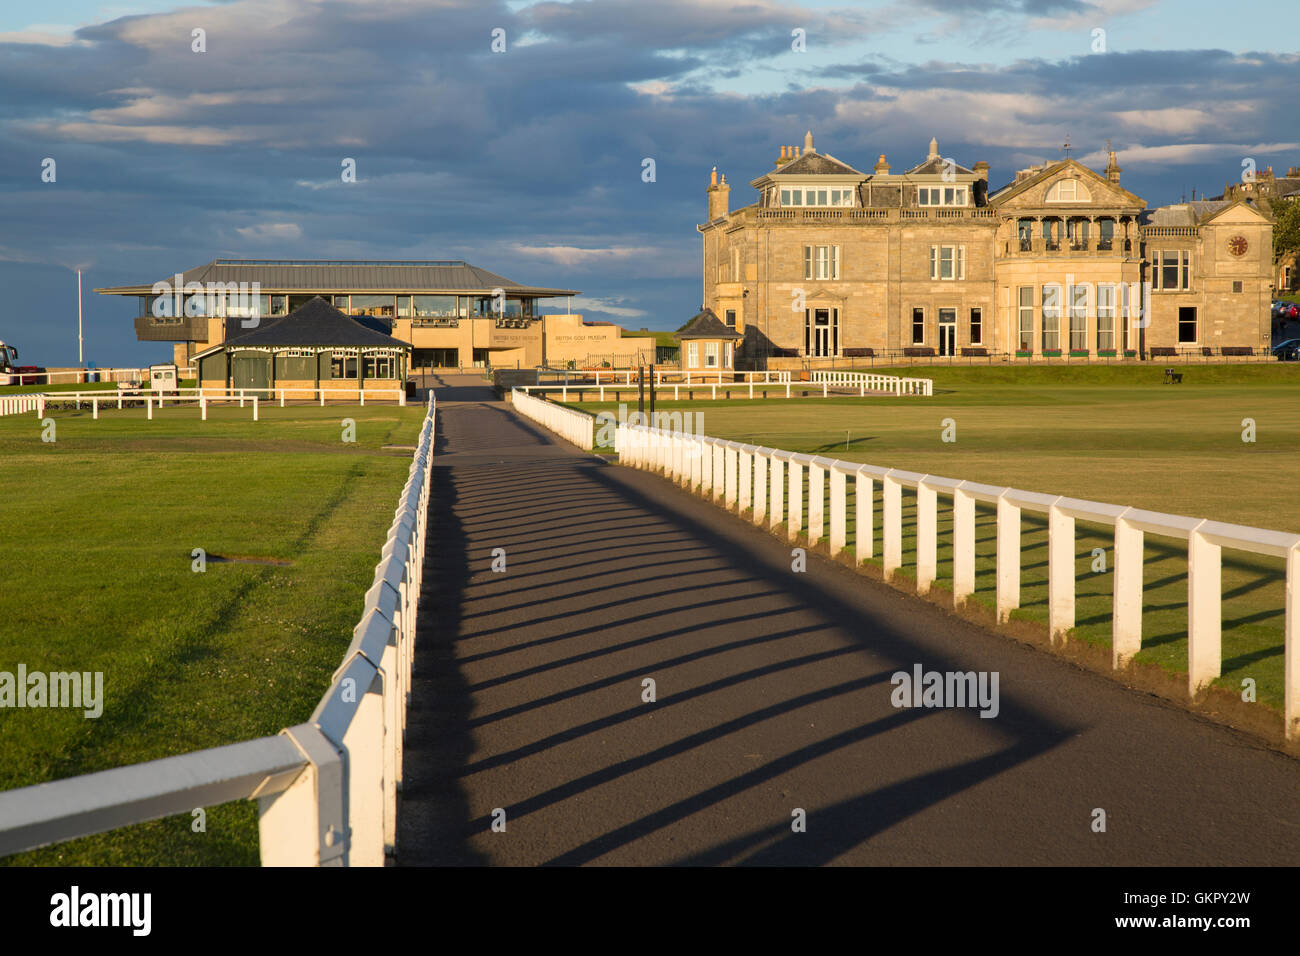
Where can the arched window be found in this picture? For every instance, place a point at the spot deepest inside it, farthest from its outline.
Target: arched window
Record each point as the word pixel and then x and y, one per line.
pixel 1068 190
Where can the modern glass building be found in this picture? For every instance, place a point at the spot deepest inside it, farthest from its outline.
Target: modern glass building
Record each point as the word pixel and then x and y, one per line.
pixel 451 312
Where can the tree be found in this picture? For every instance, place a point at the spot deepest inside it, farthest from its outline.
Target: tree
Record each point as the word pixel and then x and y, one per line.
pixel 1286 227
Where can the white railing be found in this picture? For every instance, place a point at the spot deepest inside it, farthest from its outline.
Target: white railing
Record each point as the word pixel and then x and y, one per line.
pixel 745 385
pixel 666 376
pixel 326 789
pixel 871 382
pixel 80 376
pixel 17 404
pixel 572 425
pixel 772 484
pixel 202 397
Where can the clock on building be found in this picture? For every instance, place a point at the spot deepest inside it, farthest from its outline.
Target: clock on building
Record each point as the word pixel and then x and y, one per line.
pixel 1238 245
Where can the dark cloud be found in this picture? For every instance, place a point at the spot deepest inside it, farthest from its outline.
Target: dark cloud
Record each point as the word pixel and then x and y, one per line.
pixel 167 158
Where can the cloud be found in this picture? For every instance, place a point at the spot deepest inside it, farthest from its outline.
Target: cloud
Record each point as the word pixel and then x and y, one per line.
pixel 528 163
pixel 271 232
pixel 575 256
pixel 607 305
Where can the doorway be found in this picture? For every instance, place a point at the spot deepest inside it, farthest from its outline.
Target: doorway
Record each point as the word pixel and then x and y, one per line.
pixel 947 331
pixel 821 332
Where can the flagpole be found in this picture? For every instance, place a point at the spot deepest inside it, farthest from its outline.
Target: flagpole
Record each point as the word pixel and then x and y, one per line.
pixel 80 356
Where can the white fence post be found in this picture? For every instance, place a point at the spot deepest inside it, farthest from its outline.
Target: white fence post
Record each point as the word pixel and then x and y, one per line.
pixel 927 536
pixel 1204 610
pixel 816 502
pixel 892 494
pixel 1291 650
pixel 864 530
pixel 794 509
pixel 719 472
pixel 1126 622
pixel 1060 573
pixel 731 480
pixel 1008 571
pixel 776 506
pixel 761 459
pixel 839 507
pixel 963 545
pixel 745 480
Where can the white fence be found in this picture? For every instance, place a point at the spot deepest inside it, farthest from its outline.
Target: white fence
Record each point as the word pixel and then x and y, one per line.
pixel 870 382
pixel 81 376
pixel 17 404
pixel 326 789
pixel 763 381
pixel 772 484
pixel 665 376
pixel 567 423
pixel 202 398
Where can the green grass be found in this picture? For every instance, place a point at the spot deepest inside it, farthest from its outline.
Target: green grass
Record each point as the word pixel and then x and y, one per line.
pixel 97 531
pixel 1112 434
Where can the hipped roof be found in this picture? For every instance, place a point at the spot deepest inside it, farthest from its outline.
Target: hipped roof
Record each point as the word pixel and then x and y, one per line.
pixel 706 325
pixel 316 324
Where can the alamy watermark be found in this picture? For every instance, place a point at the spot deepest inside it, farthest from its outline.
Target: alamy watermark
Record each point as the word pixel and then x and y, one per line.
pixel 75 689
pixel 242 300
pixel 667 423
pixel 946 689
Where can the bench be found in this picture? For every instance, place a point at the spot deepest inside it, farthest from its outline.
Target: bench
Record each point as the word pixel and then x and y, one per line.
pixel 982 353
pixel 1237 350
pixel 860 353
pixel 1172 377
pixel 918 352
pixel 1164 351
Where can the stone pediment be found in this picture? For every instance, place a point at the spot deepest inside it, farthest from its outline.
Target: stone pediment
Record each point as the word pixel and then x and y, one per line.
pixel 1238 212
pixel 1093 190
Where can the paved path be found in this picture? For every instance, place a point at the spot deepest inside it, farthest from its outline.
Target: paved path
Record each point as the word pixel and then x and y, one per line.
pixel 773 693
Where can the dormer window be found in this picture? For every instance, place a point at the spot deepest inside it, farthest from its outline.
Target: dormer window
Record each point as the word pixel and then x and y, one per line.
pixel 815 196
pixel 1068 190
pixel 941 196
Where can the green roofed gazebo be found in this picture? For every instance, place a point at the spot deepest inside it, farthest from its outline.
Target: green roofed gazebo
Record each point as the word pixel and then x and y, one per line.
pixel 708 345
pixel 313 347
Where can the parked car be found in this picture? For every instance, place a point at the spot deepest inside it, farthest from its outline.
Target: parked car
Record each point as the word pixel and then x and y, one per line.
pixel 1286 311
pixel 1287 351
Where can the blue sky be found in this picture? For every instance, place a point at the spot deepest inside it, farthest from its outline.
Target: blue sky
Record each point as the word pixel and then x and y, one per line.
pixel 529 162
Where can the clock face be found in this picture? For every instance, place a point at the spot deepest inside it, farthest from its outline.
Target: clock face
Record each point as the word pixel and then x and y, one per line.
pixel 1238 245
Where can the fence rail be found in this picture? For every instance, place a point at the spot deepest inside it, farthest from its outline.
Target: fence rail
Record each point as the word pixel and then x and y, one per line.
pixel 763 381
pixel 326 789
pixel 83 376
pixel 772 484
pixel 870 381
pixel 17 404
pixel 108 397
pixel 572 425
pixel 663 376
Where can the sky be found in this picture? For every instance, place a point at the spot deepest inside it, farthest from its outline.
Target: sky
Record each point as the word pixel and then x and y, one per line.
pixel 531 161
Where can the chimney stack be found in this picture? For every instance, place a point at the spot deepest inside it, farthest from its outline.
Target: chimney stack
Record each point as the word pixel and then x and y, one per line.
pixel 808 142
pixel 882 167
pixel 934 148
pixel 982 170
pixel 1112 167
pixel 719 197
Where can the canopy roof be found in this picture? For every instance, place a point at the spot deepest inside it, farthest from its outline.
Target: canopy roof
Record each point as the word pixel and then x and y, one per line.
pixel 316 324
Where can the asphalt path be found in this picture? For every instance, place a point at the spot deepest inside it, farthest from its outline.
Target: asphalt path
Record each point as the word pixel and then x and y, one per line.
pixel 773 695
